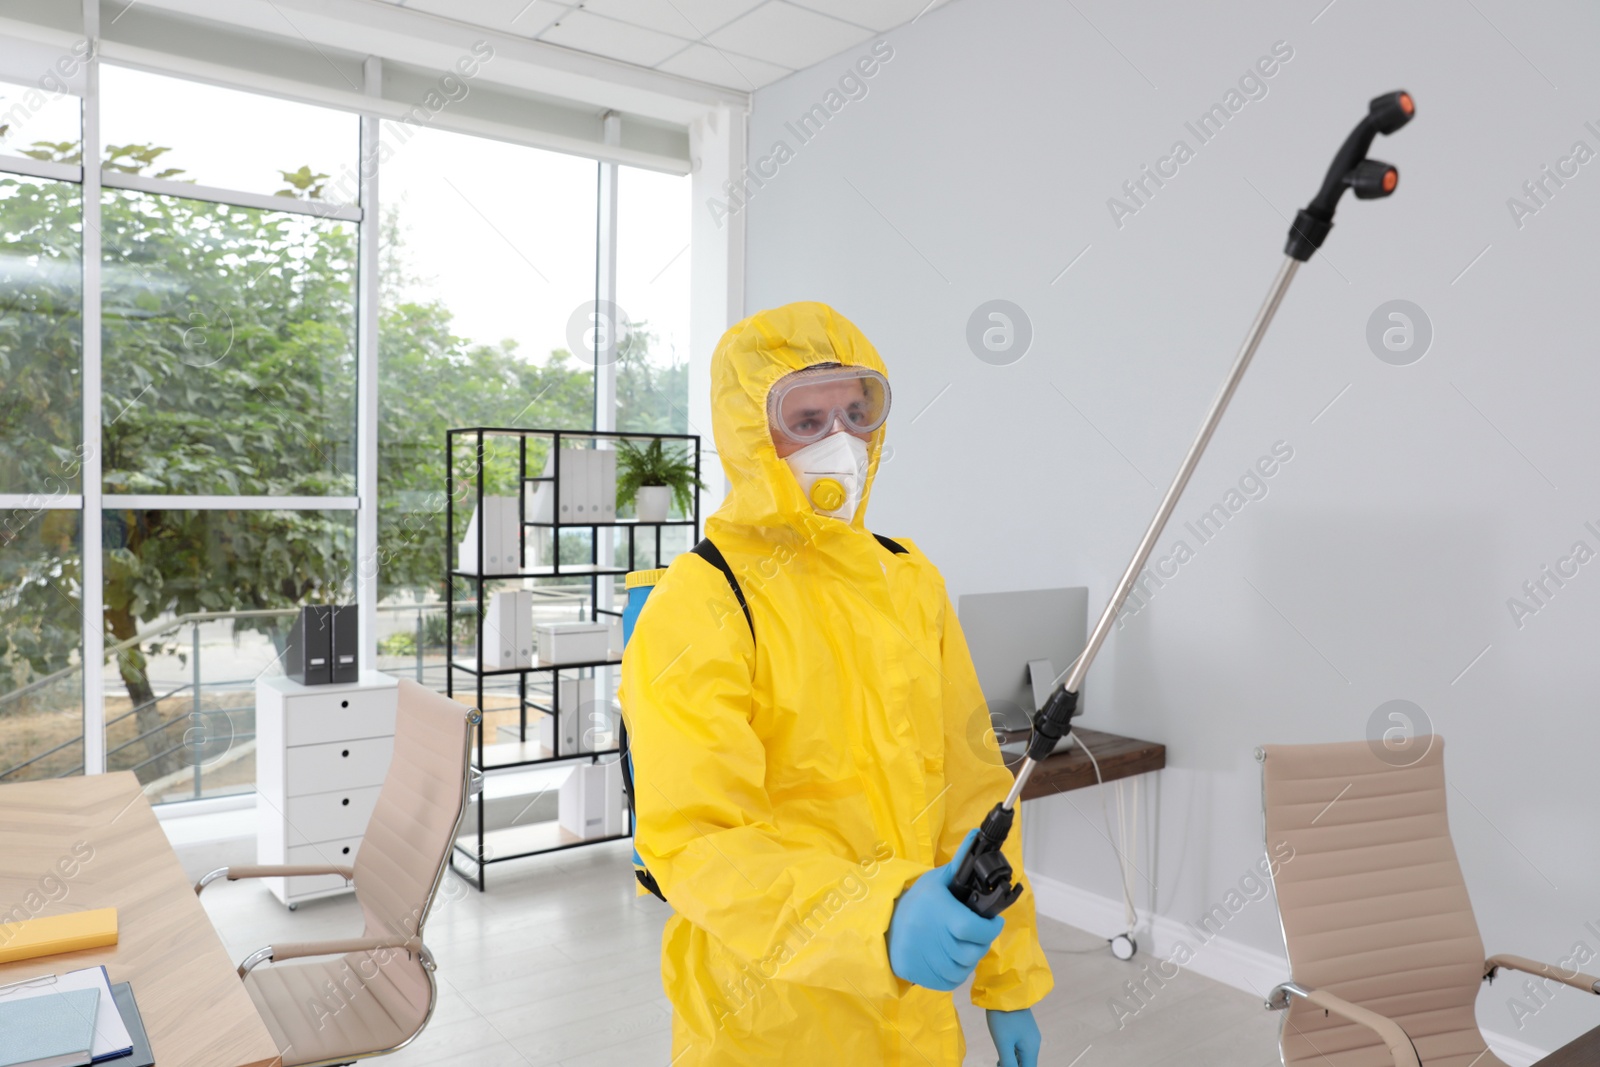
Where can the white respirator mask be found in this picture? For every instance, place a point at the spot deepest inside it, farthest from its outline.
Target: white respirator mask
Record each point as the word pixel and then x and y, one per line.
pixel 832 473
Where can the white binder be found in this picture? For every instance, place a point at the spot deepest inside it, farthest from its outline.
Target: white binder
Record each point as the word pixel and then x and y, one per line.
pixel 590 802
pixel 540 510
pixel 577 698
pixel 510 535
pixel 607 492
pixel 469 546
pixel 572 487
pixel 524 628
pixel 498 517
pixel 500 631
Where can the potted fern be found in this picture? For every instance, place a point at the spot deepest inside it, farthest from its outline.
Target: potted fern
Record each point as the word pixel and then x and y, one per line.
pixel 651 478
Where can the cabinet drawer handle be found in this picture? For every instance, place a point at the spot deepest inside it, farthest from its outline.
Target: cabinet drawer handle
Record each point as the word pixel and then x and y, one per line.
pixel 345 850
pixel 345 802
pixel 344 703
pixel 346 753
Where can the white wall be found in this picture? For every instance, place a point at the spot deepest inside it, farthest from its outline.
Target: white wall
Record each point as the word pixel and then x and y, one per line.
pixel 1379 565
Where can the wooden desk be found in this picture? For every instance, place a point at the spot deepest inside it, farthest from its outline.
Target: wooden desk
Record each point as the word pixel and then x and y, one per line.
pixel 1584 1052
pixel 1120 757
pixel 195 1009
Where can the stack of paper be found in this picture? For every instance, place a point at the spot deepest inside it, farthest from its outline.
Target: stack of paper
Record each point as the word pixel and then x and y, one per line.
pixel 508 630
pixel 86 995
pixel 588 487
pixel 502 544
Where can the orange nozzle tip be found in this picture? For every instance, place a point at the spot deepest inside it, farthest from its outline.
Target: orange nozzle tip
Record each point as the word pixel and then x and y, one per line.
pixel 1407 104
pixel 1391 178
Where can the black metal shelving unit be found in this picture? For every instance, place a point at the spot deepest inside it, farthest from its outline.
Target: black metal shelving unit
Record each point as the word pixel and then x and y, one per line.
pixel 483 766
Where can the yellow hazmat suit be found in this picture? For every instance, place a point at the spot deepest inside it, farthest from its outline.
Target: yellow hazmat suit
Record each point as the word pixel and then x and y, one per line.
pixel 791 785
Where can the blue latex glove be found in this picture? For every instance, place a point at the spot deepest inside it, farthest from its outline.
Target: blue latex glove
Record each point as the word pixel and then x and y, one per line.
pixel 935 940
pixel 1016 1037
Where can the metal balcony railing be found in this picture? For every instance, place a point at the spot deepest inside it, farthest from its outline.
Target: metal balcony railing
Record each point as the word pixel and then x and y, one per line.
pixel 185 734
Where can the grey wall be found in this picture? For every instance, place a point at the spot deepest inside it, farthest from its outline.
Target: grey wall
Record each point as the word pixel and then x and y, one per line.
pixel 1379 563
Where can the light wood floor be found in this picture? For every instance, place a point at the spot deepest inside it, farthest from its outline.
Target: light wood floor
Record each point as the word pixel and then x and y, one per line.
pixel 557 966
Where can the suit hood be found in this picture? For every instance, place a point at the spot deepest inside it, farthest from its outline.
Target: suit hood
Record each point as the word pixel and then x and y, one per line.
pixel 749 360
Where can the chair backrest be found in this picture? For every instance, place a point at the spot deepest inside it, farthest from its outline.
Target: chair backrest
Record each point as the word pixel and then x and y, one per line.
pixel 407 844
pixel 1373 903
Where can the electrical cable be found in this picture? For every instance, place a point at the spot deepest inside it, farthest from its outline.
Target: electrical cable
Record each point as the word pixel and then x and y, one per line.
pixel 1128 837
pixel 1125 829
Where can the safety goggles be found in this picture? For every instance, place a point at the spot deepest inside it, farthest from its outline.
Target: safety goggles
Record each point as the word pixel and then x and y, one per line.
pixel 806 406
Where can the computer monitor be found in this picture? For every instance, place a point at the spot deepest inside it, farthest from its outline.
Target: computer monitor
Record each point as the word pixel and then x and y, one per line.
pixel 1021 643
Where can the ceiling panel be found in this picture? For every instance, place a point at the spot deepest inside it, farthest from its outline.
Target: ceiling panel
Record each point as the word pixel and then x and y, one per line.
pixel 608 37
pixel 738 44
pixel 721 67
pixel 681 18
pixel 790 36
pixel 507 16
pixel 878 14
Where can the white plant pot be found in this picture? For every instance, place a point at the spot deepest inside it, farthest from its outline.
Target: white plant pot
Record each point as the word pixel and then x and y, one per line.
pixel 652 502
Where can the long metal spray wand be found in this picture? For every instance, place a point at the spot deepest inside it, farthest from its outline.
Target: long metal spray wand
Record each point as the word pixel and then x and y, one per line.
pixel 1258 329
pixel 983 880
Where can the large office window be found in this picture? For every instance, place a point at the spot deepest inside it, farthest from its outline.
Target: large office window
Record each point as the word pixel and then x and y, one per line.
pixel 41 676
pixel 227 139
pixel 488 261
pixel 229 349
pixel 41 335
pixel 194 603
pixel 228 378
pixel 652 356
pixel 41 427
pixel 653 212
pixel 226 368
pixel 224 243
pixel 38 123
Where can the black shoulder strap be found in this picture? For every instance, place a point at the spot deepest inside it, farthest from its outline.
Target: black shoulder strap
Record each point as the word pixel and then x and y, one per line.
pixel 713 555
pixel 893 546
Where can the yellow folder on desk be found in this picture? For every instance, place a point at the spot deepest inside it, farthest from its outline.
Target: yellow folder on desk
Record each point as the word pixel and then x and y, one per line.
pixel 50 934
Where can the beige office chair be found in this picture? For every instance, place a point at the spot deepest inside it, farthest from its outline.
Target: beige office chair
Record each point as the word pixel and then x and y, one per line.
pixel 1382 942
pixel 378 992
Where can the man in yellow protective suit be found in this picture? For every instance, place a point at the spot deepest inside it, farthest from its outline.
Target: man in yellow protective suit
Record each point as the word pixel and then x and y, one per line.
pixel 805 777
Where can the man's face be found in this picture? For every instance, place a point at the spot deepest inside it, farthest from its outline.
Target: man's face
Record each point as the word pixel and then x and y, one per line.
pixel 811 408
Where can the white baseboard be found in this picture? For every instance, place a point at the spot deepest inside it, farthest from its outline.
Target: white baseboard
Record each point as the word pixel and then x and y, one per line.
pixel 1218 958
pixel 1211 955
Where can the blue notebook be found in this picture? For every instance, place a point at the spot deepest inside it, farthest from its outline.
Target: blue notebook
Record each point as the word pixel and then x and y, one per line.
pixel 52 1030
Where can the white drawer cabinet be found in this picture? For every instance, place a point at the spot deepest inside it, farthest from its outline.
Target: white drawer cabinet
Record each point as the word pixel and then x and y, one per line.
pixel 322 752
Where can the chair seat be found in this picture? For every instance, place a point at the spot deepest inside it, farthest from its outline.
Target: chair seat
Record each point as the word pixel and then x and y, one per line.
pixel 346 1007
pixel 1452 1039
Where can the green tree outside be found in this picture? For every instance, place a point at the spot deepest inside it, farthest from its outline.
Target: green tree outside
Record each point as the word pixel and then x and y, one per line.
pixel 229 368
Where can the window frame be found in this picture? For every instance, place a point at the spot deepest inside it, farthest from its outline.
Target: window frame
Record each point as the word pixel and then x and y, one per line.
pixel 716 125
pixel 93 501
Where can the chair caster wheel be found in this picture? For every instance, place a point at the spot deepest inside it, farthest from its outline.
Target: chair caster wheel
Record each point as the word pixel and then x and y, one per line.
pixel 1124 947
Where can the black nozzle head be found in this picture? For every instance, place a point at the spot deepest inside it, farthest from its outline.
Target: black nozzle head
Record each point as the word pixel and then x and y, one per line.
pixel 1373 179
pixel 1351 169
pixel 1389 112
